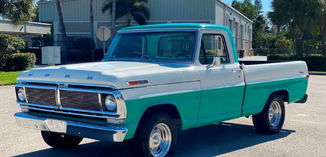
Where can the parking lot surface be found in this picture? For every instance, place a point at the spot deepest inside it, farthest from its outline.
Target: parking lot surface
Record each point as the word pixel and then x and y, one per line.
pixel 303 134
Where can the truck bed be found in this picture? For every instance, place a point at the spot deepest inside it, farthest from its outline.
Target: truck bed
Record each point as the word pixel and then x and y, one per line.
pixel 264 77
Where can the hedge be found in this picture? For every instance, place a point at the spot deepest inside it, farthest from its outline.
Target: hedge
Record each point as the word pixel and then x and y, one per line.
pixel 20 61
pixel 8 45
pixel 315 63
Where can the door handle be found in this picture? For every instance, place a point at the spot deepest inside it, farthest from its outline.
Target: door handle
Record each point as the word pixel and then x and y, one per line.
pixel 236 70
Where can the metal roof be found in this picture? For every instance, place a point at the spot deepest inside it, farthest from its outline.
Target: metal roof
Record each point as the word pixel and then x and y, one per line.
pixel 8 26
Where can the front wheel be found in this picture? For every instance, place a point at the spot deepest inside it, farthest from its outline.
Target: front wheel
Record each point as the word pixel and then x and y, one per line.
pixel 157 136
pixel 271 119
pixel 62 141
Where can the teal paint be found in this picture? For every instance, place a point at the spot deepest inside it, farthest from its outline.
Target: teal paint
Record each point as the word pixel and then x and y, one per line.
pixel 205 107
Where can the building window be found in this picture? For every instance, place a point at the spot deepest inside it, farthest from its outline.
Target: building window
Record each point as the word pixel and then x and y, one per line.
pixel 226 19
pixel 249 33
pixel 241 37
pixel 230 24
pixel 236 34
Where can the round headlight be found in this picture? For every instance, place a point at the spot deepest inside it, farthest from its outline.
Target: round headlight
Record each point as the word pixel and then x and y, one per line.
pixel 21 94
pixel 110 103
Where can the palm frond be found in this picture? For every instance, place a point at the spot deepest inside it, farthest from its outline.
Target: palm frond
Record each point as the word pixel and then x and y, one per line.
pixel 139 18
pixel 138 9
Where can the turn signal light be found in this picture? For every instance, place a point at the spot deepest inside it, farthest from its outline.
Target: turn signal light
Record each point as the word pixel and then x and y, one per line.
pixel 307 76
pixel 133 83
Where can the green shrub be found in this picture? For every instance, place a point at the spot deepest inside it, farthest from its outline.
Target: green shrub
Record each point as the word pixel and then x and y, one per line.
pixel 284 43
pixel 315 63
pixel 20 61
pixel 265 41
pixel 311 45
pixel 8 45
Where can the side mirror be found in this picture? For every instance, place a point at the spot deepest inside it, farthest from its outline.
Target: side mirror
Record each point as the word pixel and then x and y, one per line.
pixel 216 62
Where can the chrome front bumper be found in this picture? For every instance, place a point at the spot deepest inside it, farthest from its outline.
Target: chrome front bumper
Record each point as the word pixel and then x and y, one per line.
pixel 116 134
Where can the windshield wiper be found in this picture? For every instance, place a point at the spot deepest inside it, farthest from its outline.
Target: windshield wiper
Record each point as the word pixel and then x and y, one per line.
pixel 145 55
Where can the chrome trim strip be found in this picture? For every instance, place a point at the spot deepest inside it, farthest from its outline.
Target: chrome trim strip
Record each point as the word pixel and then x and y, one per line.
pixel 35 86
pixel 99 96
pixel 86 90
pixel 36 105
pixel 69 83
pixel 116 134
pixel 86 112
pixel 89 111
pixel 121 105
pixel 58 99
pixel 25 94
pixel 66 113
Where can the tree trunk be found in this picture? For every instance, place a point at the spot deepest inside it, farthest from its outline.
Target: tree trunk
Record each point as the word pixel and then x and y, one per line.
pixel 91 19
pixel 128 20
pixel 324 27
pixel 113 18
pixel 63 31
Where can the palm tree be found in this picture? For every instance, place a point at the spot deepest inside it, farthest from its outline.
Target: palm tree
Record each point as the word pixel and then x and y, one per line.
pixel 61 20
pixel 63 29
pixel 299 16
pixel 91 19
pixel 130 9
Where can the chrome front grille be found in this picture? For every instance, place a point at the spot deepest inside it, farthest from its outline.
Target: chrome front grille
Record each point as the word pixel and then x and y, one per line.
pixel 41 96
pixel 80 100
pixel 71 99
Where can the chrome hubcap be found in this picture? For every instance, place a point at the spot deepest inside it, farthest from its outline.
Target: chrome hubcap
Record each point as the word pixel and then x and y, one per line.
pixel 160 140
pixel 274 114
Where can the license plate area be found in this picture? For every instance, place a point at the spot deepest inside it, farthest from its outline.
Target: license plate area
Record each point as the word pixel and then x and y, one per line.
pixel 56 125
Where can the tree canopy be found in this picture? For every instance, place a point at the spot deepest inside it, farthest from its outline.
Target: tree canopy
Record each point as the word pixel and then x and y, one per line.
pixel 298 15
pixel 302 19
pixel 18 10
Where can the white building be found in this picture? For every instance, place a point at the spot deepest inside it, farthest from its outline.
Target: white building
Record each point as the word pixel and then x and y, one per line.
pixel 76 17
pixel 26 30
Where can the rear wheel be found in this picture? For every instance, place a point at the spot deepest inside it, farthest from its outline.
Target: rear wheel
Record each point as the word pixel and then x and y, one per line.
pixel 157 136
pixel 271 119
pixel 58 140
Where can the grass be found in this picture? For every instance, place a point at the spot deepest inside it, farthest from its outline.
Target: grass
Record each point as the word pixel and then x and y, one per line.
pixel 318 72
pixel 8 78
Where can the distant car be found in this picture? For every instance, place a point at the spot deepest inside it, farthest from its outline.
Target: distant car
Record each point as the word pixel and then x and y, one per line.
pixel 154 81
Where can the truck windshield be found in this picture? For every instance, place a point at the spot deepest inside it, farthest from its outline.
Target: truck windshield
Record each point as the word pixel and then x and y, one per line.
pixel 153 46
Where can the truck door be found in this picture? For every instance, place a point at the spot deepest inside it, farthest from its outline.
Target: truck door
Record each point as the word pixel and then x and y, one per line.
pixel 222 85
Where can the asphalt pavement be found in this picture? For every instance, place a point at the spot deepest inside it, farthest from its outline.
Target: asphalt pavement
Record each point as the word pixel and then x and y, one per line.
pixel 303 134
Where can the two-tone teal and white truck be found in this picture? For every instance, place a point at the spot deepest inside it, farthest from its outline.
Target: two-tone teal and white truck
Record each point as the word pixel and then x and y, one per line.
pixel 155 81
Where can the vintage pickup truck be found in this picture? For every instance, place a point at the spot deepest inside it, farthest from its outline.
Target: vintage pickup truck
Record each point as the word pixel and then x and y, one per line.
pixel 155 81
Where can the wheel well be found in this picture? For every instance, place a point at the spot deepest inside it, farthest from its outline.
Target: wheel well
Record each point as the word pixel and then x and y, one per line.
pixel 284 93
pixel 169 109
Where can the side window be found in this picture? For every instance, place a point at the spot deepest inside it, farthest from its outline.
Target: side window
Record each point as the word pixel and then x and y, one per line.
pixel 213 45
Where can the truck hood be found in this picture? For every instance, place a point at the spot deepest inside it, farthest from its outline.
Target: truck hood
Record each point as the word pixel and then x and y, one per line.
pixel 116 74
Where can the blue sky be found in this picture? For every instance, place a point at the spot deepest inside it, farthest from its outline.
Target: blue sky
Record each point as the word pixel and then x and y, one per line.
pixel 266 4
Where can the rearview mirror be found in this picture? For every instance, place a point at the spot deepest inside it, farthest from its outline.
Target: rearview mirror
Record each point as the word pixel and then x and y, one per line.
pixel 216 62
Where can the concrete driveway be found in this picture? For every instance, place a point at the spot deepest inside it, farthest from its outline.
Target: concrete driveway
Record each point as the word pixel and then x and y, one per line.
pixel 304 134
